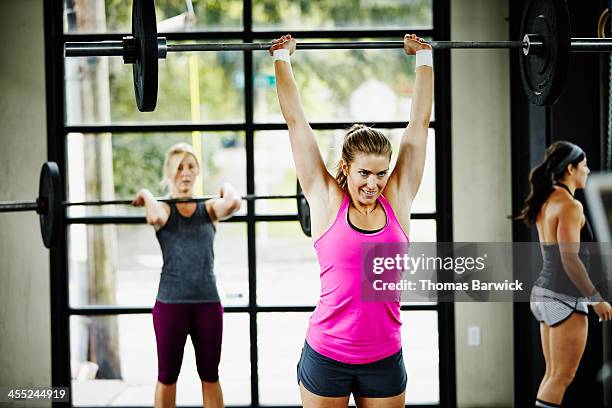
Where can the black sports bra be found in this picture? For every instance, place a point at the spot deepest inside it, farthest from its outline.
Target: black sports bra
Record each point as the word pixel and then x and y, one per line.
pixel 348 218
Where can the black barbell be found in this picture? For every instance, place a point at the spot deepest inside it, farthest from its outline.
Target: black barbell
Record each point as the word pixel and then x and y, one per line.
pixel 546 46
pixel 51 209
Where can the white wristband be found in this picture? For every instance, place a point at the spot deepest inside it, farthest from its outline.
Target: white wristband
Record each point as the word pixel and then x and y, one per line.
pixel 424 57
pixel 282 54
pixel 596 299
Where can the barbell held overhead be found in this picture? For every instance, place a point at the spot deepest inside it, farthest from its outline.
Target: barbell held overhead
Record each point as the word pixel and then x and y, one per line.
pixel 116 48
pixel 51 208
pixel 546 45
pixel 528 45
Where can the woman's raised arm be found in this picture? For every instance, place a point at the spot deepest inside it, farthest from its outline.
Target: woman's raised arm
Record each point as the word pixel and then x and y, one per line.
pixel 310 168
pixel 406 177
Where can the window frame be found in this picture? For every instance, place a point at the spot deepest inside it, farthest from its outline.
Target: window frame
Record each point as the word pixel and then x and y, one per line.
pixel 57 131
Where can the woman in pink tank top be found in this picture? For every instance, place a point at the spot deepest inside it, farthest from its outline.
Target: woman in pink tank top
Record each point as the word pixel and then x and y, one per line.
pixel 353 346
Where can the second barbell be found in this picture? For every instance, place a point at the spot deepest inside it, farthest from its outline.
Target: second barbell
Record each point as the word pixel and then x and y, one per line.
pixel 51 209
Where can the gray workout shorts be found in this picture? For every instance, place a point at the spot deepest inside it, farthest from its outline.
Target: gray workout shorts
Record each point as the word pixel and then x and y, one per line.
pixel 554 308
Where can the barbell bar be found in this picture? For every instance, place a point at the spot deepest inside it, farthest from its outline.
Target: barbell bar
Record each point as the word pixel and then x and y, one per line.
pixel 51 208
pixel 38 206
pixel 11 206
pixel 116 48
pixel 248 197
pixel 546 47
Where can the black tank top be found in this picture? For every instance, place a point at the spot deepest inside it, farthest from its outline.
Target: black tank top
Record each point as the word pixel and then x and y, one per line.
pixel 553 275
pixel 187 248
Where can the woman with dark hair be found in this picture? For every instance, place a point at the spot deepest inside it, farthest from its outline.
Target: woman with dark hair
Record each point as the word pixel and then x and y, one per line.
pixel 563 289
pixel 353 346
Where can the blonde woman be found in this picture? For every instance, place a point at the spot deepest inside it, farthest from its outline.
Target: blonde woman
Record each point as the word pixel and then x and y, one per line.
pixel 187 299
pixel 352 346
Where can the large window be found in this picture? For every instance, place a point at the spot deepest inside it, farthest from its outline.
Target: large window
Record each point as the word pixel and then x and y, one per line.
pixel 224 103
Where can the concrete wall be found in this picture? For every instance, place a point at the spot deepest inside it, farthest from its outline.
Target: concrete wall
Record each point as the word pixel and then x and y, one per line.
pixel 25 337
pixel 482 193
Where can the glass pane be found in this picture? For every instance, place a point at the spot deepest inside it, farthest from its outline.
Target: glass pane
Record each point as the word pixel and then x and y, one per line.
pixel 123 267
pixel 204 87
pixel 231 263
pixel 287 268
pixel 108 166
pixel 423 231
pixel 120 264
pixel 114 362
pixel 341 85
pixel 106 16
pixel 278 176
pixel 425 200
pixel 279 353
pixel 421 356
pixel 348 14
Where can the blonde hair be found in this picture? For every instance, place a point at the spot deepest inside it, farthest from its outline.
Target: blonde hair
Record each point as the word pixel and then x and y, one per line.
pixel 174 156
pixel 361 139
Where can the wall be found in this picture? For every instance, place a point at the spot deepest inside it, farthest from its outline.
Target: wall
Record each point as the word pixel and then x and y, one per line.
pixel 481 186
pixel 25 344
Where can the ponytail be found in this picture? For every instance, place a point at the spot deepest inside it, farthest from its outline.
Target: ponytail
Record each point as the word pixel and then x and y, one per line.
pixel 340 176
pixel 542 178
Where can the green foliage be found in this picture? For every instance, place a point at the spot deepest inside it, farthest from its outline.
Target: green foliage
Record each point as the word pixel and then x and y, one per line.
pixel 211 14
pixel 330 14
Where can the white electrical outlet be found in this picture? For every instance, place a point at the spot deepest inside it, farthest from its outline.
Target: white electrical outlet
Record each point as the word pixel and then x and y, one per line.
pixel 473 336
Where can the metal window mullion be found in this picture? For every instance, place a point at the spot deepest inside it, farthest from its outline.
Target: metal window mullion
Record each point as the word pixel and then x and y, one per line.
pixel 58 257
pixel 241 35
pixel 442 96
pixel 217 127
pixel 128 219
pixel 251 222
pixel 243 406
pixel 152 127
pixel 109 310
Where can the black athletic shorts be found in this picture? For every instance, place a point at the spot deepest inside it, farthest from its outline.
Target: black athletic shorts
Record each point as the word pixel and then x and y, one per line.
pixel 327 377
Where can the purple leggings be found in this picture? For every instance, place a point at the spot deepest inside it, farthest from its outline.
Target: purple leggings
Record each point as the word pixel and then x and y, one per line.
pixel 172 323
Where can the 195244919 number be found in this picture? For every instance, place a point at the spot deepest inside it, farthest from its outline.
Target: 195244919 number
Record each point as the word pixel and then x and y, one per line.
pixel 13 394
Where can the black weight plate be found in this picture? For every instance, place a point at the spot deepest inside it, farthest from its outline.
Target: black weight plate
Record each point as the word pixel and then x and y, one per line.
pixel 144 30
pixel 303 210
pixel 50 197
pixel 544 72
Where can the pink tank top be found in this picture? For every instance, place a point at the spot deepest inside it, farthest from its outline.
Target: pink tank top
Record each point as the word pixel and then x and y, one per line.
pixel 343 327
